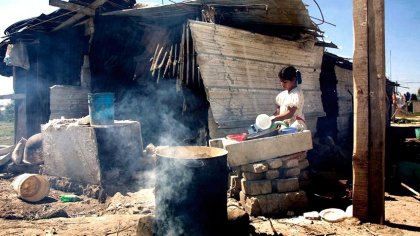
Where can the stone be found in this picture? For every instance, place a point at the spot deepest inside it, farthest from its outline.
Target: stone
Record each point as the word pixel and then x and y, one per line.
pixel 272 174
pixel 255 168
pixel 290 163
pixel 291 172
pixel 303 164
pixel 146 226
pixel 285 185
pixel 250 204
pixel 256 187
pixel 253 176
pixel 275 163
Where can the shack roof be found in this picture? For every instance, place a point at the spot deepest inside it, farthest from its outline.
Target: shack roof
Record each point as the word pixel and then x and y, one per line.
pixel 236 13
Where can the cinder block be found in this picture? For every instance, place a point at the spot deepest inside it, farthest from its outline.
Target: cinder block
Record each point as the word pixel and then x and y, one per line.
pixel 291 172
pixel 256 187
pixel 290 163
pixel 253 176
pixel 275 163
pixel 272 174
pixel 255 168
pixel 285 185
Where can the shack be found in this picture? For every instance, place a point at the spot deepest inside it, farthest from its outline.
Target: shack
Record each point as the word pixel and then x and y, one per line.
pixel 188 72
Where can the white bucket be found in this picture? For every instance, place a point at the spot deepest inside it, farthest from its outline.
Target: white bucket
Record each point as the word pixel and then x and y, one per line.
pixel 263 121
pixel 31 187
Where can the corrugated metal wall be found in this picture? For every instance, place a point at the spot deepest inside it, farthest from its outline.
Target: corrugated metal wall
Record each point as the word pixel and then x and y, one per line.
pixel 239 71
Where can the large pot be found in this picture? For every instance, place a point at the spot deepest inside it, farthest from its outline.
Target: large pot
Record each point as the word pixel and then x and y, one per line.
pixel 191 190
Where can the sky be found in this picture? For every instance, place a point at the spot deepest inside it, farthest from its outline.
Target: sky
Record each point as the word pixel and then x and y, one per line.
pixel 402 30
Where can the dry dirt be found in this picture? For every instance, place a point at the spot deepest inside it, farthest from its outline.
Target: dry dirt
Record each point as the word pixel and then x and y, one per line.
pixel 119 216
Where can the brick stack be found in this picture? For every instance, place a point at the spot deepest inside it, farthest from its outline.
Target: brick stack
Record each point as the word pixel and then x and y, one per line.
pixel 272 186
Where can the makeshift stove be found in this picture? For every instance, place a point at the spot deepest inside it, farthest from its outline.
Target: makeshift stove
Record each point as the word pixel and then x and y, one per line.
pixel 269 173
pixel 105 155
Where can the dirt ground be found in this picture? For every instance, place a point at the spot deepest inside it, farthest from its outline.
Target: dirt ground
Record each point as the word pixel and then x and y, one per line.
pixel 120 213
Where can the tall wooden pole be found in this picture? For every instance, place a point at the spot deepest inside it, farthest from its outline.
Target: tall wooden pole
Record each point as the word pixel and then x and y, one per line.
pixel 370 111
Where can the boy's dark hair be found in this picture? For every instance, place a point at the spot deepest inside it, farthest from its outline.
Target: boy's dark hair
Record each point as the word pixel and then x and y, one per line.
pixel 290 72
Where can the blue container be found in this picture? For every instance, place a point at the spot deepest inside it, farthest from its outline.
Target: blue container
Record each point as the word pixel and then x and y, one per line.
pixel 289 130
pixel 101 108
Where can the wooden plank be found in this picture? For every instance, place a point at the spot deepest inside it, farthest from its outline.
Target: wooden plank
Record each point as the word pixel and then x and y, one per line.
pixel 72 7
pixel 370 82
pixel 13 96
pixel 377 102
pixel 80 14
pixel 361 112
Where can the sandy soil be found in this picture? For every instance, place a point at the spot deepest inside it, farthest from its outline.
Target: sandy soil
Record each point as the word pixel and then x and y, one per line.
pixel 119 216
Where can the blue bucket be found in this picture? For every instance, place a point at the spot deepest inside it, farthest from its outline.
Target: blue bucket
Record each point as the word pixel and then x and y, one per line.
pixel 101 108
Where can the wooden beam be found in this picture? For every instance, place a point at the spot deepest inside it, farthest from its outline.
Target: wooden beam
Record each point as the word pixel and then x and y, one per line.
pixel 369 114
pixel 80 15
pixel 72 7
pixel 13 96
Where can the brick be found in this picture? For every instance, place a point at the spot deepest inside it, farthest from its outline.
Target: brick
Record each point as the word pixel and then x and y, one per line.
pixel 272 174
pixel 290 163
pixel 304 175
pixel 285 185
pixel 291 172
pixel 253 176
pixel 256 187
pixel 303 164
pixel 274 163
pixel 255 168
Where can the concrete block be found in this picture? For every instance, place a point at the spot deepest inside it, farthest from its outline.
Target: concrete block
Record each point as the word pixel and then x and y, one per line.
pixel 285 185
pixel 291 172
pixel 272 174
pixel 255 168
pixel 303 164
pixel 253 176
pixel 290 163
pixel 72 152
pixel 275 163
pixel 92 155
pixel 256 150
pixel 256 187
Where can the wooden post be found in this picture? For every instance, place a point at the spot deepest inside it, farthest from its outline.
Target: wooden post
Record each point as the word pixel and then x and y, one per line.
pixel 370 111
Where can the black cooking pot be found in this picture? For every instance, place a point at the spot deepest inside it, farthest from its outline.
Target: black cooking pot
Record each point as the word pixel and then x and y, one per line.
pixel 191 190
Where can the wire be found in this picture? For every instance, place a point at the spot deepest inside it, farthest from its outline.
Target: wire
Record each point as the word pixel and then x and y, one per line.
pixel 320 11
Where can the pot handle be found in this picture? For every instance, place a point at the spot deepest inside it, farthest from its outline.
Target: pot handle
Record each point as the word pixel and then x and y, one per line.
pixel 193 163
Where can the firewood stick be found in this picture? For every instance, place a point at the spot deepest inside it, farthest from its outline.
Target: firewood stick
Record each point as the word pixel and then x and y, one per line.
pixel 174 64
pixel 154 57
pixel 168 63
pixel 187 35
pixel 156 61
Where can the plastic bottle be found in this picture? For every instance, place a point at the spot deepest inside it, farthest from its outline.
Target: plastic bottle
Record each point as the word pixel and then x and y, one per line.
pixel 69 198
